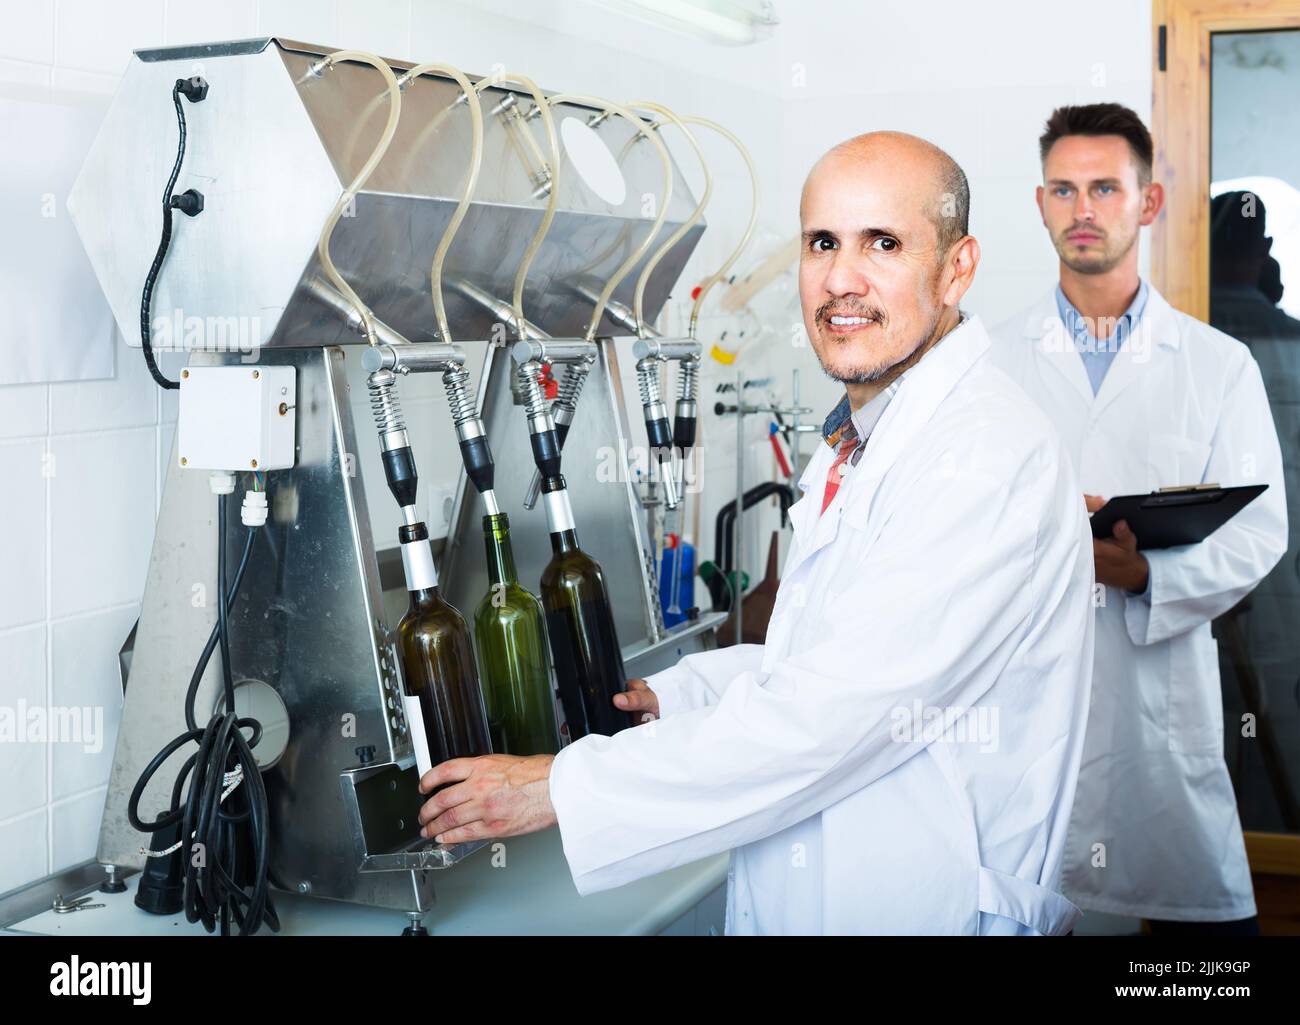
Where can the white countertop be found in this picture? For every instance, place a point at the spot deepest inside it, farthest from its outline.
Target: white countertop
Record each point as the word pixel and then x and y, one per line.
pixel 532 893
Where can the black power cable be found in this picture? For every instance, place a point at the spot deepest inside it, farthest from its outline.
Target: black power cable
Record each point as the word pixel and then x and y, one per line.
pixel 191 203
pixel 224 816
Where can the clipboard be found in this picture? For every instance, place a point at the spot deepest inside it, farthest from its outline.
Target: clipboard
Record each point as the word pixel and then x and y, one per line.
pixel 1175 516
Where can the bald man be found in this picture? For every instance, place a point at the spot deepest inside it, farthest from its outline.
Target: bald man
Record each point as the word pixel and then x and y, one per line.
pixel 899 756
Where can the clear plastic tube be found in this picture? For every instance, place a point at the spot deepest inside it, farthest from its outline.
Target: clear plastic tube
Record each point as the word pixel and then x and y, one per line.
pixel 749 228
pixel 349 194
pixel 471 180
pixel 606 107
pixel 676 236
pixel 553 143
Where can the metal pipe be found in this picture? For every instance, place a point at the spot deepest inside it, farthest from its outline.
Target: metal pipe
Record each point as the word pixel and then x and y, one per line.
pixel 335 300
pixel 666 348
pixel 499 308
pixel 620 313
pixel 554 350
pixel 413 357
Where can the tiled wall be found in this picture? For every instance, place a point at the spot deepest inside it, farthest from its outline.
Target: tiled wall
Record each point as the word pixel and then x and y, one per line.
pixel 82 463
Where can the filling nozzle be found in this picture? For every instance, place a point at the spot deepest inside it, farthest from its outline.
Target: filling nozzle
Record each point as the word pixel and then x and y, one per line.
pixel 686 412
pixel 394 443
pixel 657 429
pixel 542 434
pixel 565 406
pixel 475 452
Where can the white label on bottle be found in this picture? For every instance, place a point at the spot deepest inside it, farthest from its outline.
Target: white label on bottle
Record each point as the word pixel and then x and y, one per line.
pixel 417 562
pixel 559 513
pixel 419 739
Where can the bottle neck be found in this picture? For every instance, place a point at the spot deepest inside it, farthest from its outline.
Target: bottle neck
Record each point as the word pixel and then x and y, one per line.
pixel 564 541
pixel 417 564
pixel 425 597
pixel 500 553
pixel 559 519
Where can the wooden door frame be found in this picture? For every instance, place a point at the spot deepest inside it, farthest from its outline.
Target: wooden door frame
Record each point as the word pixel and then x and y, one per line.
pixel 1180 238
pixel 1180 123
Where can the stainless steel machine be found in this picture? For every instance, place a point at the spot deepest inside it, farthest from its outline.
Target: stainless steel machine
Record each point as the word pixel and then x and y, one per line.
pixel 268 153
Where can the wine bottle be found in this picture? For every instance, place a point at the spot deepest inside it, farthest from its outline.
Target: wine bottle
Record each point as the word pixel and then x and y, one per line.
pixel 443 702
pixel 588 661
pixel 510 638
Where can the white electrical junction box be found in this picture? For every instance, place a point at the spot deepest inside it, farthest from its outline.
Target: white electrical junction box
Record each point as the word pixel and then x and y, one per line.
pixel 237 418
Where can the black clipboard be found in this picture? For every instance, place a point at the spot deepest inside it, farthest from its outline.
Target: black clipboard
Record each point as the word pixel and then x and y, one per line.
pixel 1175 516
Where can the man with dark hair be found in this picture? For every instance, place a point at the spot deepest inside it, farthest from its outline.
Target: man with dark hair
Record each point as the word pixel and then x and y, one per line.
pixel 1146 398
pixel 1097 120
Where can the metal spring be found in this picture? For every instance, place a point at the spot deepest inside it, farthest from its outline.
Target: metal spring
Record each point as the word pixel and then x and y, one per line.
pixel 575 376
pixel 460 395
pixel 530 384
pixel 384 406
pixel 647 376
pixel 688 379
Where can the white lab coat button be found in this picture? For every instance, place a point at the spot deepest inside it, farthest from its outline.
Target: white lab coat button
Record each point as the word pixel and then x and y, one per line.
pixel 844 469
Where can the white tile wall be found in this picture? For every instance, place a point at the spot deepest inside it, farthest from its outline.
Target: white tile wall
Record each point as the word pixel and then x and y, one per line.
pixel 26 843
pixel 87 684
pixel 29 32
pixel 102 508
pixel 22 556
pixel 74 828
pixel 25 410
pixel 93 36
pixel 22 756
pixel 202 23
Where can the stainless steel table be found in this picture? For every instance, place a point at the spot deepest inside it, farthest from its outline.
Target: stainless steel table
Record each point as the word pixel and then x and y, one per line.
pixel 532 893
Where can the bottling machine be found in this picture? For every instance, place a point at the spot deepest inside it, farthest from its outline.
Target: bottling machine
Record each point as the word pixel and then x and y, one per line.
pixel 271 132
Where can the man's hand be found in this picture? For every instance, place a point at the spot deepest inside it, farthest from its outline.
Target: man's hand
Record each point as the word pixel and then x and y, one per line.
pixel 639 700
pixel 1116 558
pixel 490 796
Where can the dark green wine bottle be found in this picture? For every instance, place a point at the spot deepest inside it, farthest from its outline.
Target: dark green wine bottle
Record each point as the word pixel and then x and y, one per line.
pixel 443 702
pixel 588 661
pixel 510 637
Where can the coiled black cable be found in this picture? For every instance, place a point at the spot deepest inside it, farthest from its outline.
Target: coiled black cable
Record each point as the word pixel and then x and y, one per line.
pixel 164 243
pixel 225 845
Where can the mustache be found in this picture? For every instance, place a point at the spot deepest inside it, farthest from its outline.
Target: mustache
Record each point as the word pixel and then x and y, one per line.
pixel 840 308
pixel 1092 228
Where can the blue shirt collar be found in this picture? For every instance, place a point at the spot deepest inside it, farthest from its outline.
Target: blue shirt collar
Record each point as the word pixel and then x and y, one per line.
pixel 836 420
pixel 1078 327
pixel 866 419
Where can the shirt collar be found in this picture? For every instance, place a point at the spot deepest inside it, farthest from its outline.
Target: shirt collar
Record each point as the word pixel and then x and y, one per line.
pixel 1077 325
pixel 866 418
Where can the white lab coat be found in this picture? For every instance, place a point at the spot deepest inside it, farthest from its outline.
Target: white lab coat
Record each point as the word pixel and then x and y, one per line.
pixel 1182 403
pixel 952 570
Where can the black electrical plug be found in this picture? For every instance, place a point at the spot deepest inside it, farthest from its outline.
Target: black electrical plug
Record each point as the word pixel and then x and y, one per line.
pixel 194 89
pixel 162 889
pixel 189 202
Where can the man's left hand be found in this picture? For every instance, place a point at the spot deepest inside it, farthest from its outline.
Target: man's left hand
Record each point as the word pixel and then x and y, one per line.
pixel 489 796
pixel 1118 561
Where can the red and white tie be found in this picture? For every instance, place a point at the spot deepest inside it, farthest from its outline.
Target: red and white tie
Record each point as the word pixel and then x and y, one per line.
pixel 840 467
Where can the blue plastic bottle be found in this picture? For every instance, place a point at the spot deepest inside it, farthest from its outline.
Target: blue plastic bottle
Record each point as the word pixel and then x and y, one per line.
pixel 674 549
